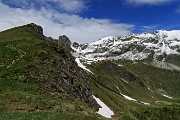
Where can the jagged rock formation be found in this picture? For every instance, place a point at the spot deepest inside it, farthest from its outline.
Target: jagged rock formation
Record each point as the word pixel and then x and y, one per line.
pixel 60 73
pixel 35 28
pixel 64 42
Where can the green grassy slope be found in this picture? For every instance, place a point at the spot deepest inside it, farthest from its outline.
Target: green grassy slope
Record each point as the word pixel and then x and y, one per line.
pixel 140 77
pixel 31 70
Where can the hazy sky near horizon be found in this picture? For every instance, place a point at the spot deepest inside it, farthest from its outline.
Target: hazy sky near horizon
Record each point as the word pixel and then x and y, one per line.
pixel 85 21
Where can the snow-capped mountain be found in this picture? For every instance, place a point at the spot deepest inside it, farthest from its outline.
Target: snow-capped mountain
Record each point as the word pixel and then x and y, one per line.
pixel 130 47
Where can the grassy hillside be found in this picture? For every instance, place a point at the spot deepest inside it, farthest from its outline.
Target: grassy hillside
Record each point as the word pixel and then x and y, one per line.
pixel 139 81
pixel 39 79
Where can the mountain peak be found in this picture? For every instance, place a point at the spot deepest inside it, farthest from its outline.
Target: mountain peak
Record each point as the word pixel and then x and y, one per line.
pixel 35 28
pixel 29 31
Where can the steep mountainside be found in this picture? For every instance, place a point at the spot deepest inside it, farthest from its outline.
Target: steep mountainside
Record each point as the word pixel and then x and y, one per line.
pixel 38 74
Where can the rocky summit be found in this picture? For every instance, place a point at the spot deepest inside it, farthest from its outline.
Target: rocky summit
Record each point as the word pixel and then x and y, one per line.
pixel 134 77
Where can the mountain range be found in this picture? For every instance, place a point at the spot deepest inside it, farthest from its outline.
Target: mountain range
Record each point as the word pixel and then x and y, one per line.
pixel 131 47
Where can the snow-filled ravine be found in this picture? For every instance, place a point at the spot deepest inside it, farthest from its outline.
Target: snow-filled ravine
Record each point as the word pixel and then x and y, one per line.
pixel 129 98
pixel 104 110
pixel 81 65
pixel 132 99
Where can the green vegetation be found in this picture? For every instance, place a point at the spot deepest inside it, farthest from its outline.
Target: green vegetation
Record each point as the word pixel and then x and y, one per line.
pixel 110 76
pixel 29 69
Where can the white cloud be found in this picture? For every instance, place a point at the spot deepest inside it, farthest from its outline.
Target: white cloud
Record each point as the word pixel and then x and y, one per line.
pixel 151 27
pixel 55 24
pixel 71 6
pixel 148 28
pixel 148 2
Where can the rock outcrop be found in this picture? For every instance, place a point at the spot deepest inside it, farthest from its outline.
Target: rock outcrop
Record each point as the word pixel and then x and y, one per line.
pixel 35 29
pixel 64 42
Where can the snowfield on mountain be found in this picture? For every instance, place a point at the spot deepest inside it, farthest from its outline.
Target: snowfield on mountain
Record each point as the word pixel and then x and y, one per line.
pixel 130 47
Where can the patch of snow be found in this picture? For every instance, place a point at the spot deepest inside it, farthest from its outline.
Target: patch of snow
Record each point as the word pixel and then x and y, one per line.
pixel 165 49
pixel 118 88
pixel 134 56
pixel 145 103
pixel 127 97
pixel 168 96
pixel 120 65
pixel 81 65
pixel 104 110
pixel 146 35
pixel 103 40
pixel 170 35
pixel 165 65
pixel 150 89
pixel 125 81
pixel 163 59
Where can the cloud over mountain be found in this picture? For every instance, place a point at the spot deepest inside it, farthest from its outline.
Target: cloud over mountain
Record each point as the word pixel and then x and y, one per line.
pixel 57 22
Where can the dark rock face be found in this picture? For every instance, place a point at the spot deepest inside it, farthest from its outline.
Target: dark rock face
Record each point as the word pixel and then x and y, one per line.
pixel 57 71
pixel 35 28
pixel 83 46
pixel 75 45
pixel 64 42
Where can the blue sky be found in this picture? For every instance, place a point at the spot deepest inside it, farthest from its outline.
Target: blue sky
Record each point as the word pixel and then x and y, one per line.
pixel 89 20
pixel 162 15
